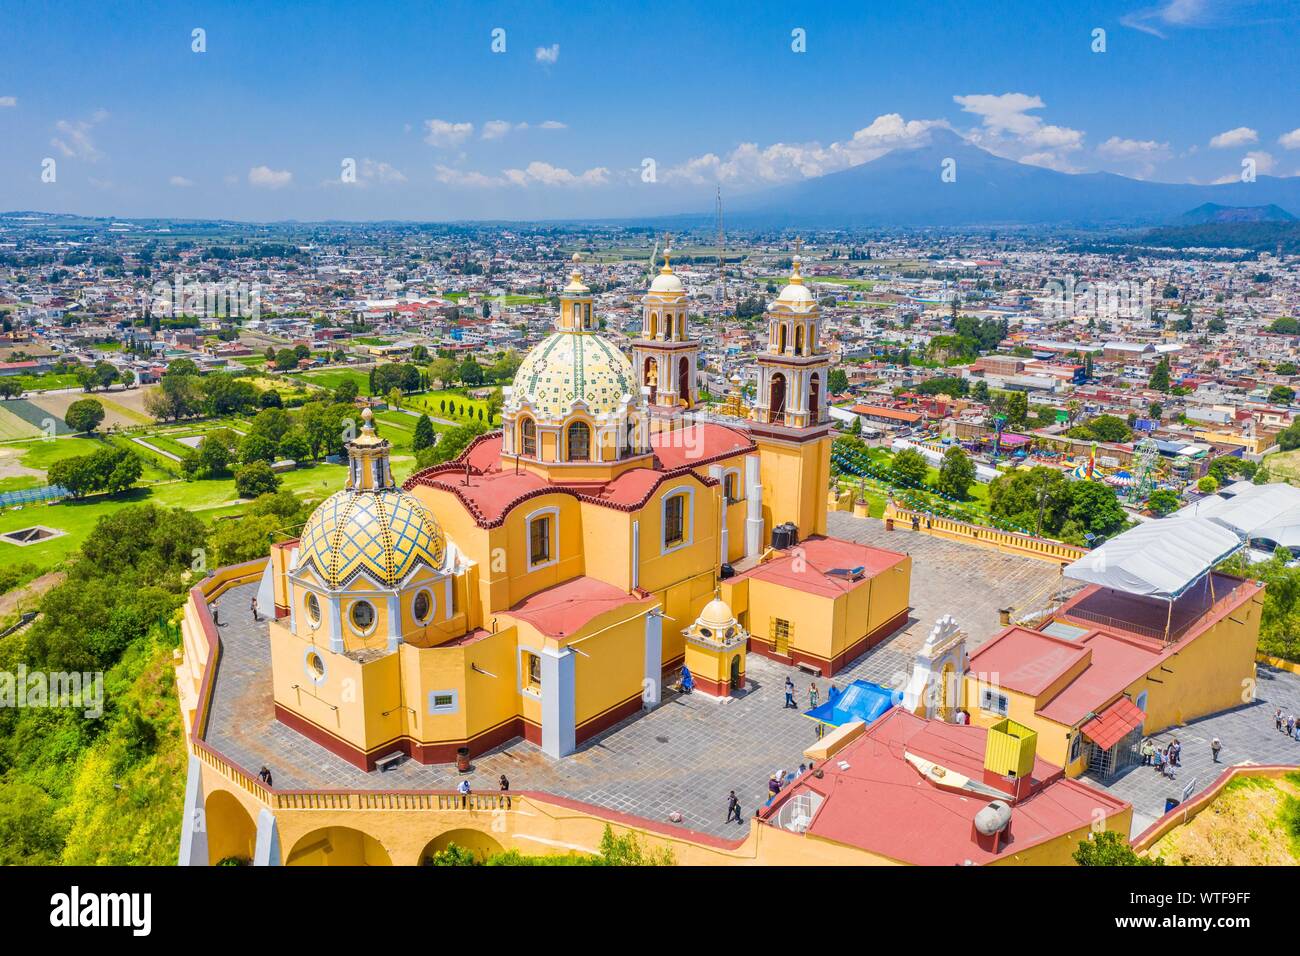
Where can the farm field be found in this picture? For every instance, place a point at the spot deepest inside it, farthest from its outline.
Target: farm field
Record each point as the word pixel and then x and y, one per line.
pixel 1285 465
pixel 14 426
pixel 431 403
pixel 332 378
pixel 115 413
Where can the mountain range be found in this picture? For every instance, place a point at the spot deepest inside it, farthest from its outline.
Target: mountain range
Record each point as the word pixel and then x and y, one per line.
pixel 904 188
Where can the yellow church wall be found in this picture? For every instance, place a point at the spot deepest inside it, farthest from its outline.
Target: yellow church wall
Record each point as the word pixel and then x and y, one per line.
pixel 682 603
pixel 795 479
pixel 483 701
pixel 660 569
pixel 606 537
pixel 610 669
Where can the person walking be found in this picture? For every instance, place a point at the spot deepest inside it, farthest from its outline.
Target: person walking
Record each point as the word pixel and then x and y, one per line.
pixel 812 695
pixel 216 615
pixel 1148 752
pixel 504 787
pixel 1290 725
pixel 1277 720
pixel 1158 761
pixel 733 807
pixel 1215 747
pixel 252 606
pixel 1176 753
pixel 789 694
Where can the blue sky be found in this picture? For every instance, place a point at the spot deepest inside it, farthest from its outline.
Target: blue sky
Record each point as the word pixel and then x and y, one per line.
pixel 560 124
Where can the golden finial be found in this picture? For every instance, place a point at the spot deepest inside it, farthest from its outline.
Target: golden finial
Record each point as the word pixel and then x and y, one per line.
pixel 668 251
pixel 796 263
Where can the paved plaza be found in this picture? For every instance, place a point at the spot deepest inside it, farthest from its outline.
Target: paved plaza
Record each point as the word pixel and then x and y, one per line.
pixel 687 754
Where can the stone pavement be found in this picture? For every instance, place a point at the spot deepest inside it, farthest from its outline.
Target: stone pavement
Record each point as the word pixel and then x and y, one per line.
pixel 682 757
pixel 1248 737
pixel 968 581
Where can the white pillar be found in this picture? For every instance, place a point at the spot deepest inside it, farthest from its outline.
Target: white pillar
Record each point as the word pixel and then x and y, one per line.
pixel 266 852
pixel 652 686
pixel 636 554
pixel 336 625
pixel 394 621
pixel 194 826
pixel 753 507
pixel 716 473
pixel 559 735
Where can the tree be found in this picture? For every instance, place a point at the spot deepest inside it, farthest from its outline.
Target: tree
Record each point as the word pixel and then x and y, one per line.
pixel 245 539
pixel 1093 509
pixel 1285 326
pixel 1281 395
pixel 84 415
pixel 257 447
pixel 956 473
pixel 394 398
pixel 270 399
pixel 1017 409
pixel 347 391
pixel 471 373
pixel 1207 485
pixel 10 388
pixel 256 478
pixel 1160 377
pixel 1108 848
pixel 1163 502
pixel 443 371
pixel 450 444
pixel 1033 500
pixel 286 359
pixel 1103 428
pixel 110 470
pixel 909 468
pixel 423 436
pixel 837 381
pixel 980 391
pixel 1289 438
pixel 294 446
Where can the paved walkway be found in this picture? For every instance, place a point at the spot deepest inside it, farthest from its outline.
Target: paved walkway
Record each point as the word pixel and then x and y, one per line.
pixel 1247 735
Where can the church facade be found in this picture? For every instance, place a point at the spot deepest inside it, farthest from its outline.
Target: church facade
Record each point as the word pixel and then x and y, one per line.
pixel 546 583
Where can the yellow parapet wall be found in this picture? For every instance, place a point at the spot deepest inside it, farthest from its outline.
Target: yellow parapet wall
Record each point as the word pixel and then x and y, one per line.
pixel 1184 813
pixel 1009 542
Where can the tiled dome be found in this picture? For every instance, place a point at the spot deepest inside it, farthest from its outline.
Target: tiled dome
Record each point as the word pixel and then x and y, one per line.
pixel 386 533
pixel 566 367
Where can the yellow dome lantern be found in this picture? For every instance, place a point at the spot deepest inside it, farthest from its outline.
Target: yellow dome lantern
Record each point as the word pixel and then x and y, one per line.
pixel 715 650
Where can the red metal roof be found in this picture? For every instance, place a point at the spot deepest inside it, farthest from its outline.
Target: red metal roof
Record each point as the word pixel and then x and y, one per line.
pixel 1114 723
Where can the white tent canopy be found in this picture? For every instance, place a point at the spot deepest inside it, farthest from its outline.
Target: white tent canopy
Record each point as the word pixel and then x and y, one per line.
pixel 1248 510
pixel 1158 559
pixel 1283 531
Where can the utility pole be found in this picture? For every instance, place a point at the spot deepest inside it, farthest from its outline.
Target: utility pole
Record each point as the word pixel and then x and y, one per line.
pixel 720 239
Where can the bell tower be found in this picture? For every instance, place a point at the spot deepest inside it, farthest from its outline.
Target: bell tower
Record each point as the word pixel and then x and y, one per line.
pixel 665 357
pixel 789 420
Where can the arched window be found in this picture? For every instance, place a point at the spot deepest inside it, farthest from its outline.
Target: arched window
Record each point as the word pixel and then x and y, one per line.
pixel 814 400
pixel 684 381
pixel 798 340
pixel 653 328
pixel 651 377
pixel 776 399
pixel 780 342
pixel 528 438
pixel 579 442
pixel 729 487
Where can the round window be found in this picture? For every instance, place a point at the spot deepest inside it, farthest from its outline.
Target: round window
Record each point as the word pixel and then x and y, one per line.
pixel 316 665
pixel 313 609
pixel 363 615
pixel 423 606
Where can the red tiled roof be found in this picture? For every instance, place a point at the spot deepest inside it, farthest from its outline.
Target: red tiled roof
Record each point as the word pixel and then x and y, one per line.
pixel 1114 723
pixel 566 608
pixel 696 445
pixel 874 799
pixel 804 566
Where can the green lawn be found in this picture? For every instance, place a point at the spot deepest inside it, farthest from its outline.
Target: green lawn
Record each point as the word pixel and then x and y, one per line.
pixel 50 380
pixel 431 403
pixel 332 378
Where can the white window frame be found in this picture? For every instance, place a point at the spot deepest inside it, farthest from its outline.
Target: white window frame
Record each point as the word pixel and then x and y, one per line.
pixel 1001 703
pixel 521 669
pixel 352 606
pixel 688 520
pixel 451 708
pixel 554 514
pixel 433 606
pixel 310 671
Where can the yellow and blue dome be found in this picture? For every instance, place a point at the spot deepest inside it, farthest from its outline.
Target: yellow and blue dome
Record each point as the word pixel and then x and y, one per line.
pixel 385 533
pixel 567 367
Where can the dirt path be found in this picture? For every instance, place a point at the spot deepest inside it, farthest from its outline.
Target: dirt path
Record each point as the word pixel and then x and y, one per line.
pixel 14 600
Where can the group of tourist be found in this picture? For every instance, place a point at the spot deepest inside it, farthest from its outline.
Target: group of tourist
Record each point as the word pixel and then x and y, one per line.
pixel 1165 759
pixel 1288 724
pixel 813 695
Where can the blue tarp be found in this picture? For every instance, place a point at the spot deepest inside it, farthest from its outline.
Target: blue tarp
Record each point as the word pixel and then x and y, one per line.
pixel 861 700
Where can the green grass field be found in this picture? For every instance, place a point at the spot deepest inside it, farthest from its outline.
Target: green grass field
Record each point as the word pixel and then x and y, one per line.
pixel 43 383
pixel 332 378
pixel 459 406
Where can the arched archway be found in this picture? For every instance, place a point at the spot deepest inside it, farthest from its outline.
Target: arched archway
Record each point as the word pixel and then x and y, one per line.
pixel 684 381
pixel 814 399
pixel 338 846
pixel 528 438
pixel 650 376
pixel 653 329
pixel 232 834
pixel 798 340
pixel 780 338
pixel 776 398
pixel 578 437
pixel 475 841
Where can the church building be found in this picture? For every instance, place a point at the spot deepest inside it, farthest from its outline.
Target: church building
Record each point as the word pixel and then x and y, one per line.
pixel 547 582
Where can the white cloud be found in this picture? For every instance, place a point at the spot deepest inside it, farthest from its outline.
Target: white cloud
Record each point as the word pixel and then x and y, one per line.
pixel 1176 13
pixel 1007 129
pixel 75 140
pixel 181 181
pixel 547 55
pixel 444 135
pixel 8 101
pixel 750 163
pixel 1140 155
pixel 378 172
pixel 264 177
pixel 495 129
pixel 547 175
pixel 552 124
pixel 1264 162
pixel 1234 137
pixel 534 174
pixel 1290 140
